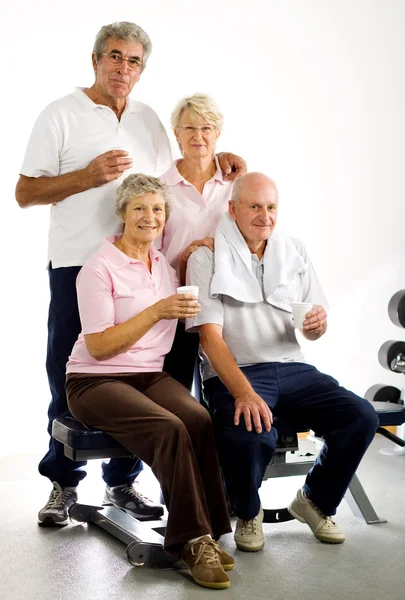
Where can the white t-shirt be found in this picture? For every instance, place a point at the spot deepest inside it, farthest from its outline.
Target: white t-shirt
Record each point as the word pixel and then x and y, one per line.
pixel 67 136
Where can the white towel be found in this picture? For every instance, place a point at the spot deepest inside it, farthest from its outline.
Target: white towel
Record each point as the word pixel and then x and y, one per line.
pixel 233 275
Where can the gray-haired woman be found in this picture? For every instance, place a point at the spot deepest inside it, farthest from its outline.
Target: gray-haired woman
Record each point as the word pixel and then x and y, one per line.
pixel 129 309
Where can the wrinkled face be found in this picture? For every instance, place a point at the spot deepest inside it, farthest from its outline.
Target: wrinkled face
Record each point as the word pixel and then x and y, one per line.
pixel 196 136
pixel 144 218
pixel 256 212
pixel 116 81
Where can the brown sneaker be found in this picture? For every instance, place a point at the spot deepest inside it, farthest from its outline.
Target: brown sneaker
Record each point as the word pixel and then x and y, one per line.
pixel 203 561
pixel 227 561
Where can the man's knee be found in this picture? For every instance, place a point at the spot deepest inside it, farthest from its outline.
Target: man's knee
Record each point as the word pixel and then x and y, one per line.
pixel 363 417
pixel 236 438
pixel 369 417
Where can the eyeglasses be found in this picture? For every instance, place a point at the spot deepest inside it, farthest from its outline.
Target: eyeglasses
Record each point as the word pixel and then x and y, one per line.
pixel 116 59
pixel 193 130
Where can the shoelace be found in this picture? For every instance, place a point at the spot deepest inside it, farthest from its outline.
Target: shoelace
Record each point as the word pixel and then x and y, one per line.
pixel 249 527
pixel 58 496
pixel 327 521
pixel 217 548
pixel 132 492
pixel 205 549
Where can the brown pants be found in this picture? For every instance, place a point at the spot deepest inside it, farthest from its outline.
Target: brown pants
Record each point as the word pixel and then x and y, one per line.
pixel 157 419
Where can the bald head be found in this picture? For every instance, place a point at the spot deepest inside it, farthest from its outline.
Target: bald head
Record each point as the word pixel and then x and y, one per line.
pixel 254 208
pixel 253 183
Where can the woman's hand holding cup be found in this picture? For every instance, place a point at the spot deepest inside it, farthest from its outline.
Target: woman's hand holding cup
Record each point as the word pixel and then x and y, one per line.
pixel 183 305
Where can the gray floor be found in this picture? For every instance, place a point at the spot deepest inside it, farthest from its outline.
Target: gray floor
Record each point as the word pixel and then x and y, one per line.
pixel 82 562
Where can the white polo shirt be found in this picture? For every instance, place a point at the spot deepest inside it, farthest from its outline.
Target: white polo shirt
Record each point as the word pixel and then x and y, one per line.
pixel 67 136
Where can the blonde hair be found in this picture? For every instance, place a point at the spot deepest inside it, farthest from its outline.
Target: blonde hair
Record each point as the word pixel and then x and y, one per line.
pixel 200 105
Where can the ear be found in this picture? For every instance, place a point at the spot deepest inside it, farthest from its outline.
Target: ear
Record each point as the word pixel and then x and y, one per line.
pixel 231 206
pixel 94 62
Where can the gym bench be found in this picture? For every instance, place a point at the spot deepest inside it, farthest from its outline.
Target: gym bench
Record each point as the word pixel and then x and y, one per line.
pixel 144 539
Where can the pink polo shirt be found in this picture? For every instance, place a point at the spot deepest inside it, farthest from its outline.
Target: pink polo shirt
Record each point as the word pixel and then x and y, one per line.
pixel 193 216
pixel 112 288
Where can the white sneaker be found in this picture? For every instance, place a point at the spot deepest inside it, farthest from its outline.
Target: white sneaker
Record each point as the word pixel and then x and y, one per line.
pixel 249 534
pixel 323 527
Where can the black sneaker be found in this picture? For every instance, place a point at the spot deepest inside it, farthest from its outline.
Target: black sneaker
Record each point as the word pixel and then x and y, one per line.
pixel 55 511
pixel 129 499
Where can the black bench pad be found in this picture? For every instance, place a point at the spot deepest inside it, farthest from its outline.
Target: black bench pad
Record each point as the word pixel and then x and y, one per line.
pixel 390 413
pixel 71 433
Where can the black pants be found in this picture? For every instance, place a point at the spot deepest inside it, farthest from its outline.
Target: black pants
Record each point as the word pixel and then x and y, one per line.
pixel 63 330
pixel 182 359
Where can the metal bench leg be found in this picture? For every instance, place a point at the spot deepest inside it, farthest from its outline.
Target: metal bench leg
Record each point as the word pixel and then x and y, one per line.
pixel 359 503
pixel 144 540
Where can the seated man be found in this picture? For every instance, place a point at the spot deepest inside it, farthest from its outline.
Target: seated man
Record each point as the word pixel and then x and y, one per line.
pixel 254 368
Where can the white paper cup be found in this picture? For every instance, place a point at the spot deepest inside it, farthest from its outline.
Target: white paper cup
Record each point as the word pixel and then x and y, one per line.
pixel 188 289
pixel 123 148
pixel 299 310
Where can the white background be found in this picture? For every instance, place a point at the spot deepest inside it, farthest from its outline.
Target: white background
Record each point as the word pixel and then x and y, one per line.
pixel 313 95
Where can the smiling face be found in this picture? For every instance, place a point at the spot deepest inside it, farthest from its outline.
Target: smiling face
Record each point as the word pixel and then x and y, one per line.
pixel 144 218
pixel 196 136
pixel 115 82
pixel 255 212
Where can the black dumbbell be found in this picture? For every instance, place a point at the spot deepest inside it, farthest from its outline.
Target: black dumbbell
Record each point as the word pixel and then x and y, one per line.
pixel 396 308
pixel 383 393
pixel 391 356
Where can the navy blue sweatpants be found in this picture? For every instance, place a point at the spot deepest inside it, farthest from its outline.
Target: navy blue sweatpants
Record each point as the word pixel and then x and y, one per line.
pixel 305 397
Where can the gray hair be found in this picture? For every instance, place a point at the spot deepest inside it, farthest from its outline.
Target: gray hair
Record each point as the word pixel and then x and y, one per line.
pixel 136 186
pixel 200 105
pixel 125 31
pixel 237 190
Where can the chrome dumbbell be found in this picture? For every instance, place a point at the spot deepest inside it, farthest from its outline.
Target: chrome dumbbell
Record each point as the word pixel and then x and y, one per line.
pixel 398 363
pixel 391 356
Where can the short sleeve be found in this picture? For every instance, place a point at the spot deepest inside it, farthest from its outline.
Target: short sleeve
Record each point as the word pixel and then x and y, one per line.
pixel 310 286
pixel 200 269
pixel 95 299
pixel 44 147
pixel 165 159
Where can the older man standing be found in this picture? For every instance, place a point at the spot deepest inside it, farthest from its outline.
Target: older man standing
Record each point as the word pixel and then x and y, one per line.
pixel 80 147
pixel 254 367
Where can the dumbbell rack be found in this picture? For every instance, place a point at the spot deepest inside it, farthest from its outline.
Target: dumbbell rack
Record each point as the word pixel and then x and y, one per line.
pixel 391 356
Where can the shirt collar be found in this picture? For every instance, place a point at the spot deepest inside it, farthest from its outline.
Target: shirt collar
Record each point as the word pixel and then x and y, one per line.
pixel 173 176
pixel 83 99
pixel 118 259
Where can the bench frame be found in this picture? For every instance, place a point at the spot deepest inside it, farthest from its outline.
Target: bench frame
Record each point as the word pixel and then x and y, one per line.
pixel 144 539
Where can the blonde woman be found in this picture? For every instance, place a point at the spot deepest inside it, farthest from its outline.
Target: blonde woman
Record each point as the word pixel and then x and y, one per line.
pixel 200 196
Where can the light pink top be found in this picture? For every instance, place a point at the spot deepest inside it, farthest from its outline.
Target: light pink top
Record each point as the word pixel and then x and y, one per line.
pixel 193 216
pixel 112 288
